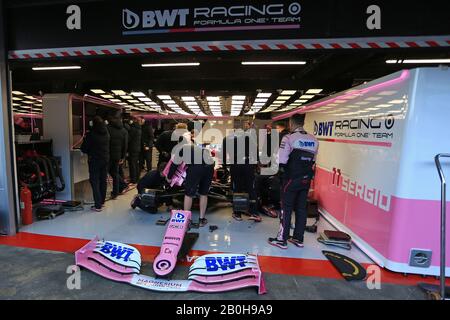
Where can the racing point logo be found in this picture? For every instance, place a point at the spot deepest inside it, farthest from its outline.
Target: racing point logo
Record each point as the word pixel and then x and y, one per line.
pixel 389 122
pixel 130 20
pixel 179 218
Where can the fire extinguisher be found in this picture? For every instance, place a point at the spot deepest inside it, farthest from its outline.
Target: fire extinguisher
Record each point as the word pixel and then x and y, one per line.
pixel 26 205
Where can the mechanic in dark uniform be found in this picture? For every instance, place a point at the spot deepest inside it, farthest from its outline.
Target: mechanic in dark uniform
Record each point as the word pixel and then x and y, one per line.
pixel 268 186
pixel 242 167
pixel 118 153
pixel 154 179
pixel 199 173
pixel 147 145
pixel 297 158
pixel 126 130
pixel 134 149
pixel 96 146
pixel 165 145
pixel 123 187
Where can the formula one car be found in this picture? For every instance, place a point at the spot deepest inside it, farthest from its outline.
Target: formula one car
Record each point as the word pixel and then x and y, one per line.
pixel 151 199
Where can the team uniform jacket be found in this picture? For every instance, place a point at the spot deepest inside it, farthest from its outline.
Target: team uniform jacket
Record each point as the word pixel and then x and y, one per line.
pixel 297 154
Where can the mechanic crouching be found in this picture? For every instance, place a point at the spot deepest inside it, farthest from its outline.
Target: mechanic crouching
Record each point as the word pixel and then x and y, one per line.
pixel 297 156
pixel 152 180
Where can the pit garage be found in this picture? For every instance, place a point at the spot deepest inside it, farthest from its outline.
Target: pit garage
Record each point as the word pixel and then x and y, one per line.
pixel 354 68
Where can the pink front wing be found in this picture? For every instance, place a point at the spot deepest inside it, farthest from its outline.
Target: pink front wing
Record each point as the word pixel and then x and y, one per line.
pixel 87 258
pixel 118 271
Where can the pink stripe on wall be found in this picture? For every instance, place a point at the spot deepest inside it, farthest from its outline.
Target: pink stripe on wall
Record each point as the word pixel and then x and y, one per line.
pixel 410 223
pixel 367 143
pixel 417 225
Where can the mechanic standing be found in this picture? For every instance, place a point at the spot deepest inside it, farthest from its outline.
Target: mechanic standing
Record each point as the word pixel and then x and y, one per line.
pixel 268 186
pixel 243 160
pixel 199 174
pixel 147 146
pixel 282 129
pixel 134 150
pixel 297 156
pixel 96 146
pixel 118 153
pixel 123 187
pixel 165 145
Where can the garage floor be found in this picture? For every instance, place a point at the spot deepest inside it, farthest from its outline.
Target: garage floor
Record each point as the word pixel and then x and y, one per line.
pixel 37 274
pixel 35 261
pixel 118 222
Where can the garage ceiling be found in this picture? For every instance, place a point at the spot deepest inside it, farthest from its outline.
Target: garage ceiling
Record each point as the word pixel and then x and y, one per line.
pixel 218 75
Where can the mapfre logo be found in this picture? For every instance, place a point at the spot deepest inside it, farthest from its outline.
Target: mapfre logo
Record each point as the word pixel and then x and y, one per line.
pixel 154 18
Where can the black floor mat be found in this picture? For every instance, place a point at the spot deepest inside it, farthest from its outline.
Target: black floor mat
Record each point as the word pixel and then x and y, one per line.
pixel 189 240
pixel 349 268
pixel 346 246
pixel 427 287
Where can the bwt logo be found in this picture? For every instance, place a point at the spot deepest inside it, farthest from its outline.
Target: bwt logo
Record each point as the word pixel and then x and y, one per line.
pixel 154 18
pixel 306 144
pixel 117 252
pixel 214 264
pixel 179 218
pixel 323 128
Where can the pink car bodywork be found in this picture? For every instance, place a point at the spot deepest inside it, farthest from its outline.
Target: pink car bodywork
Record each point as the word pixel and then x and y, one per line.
pixel 179 176
pixel 166 260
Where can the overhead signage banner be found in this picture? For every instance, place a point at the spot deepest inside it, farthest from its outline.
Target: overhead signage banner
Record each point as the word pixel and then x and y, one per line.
pixel 102 23
pixel 232 18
